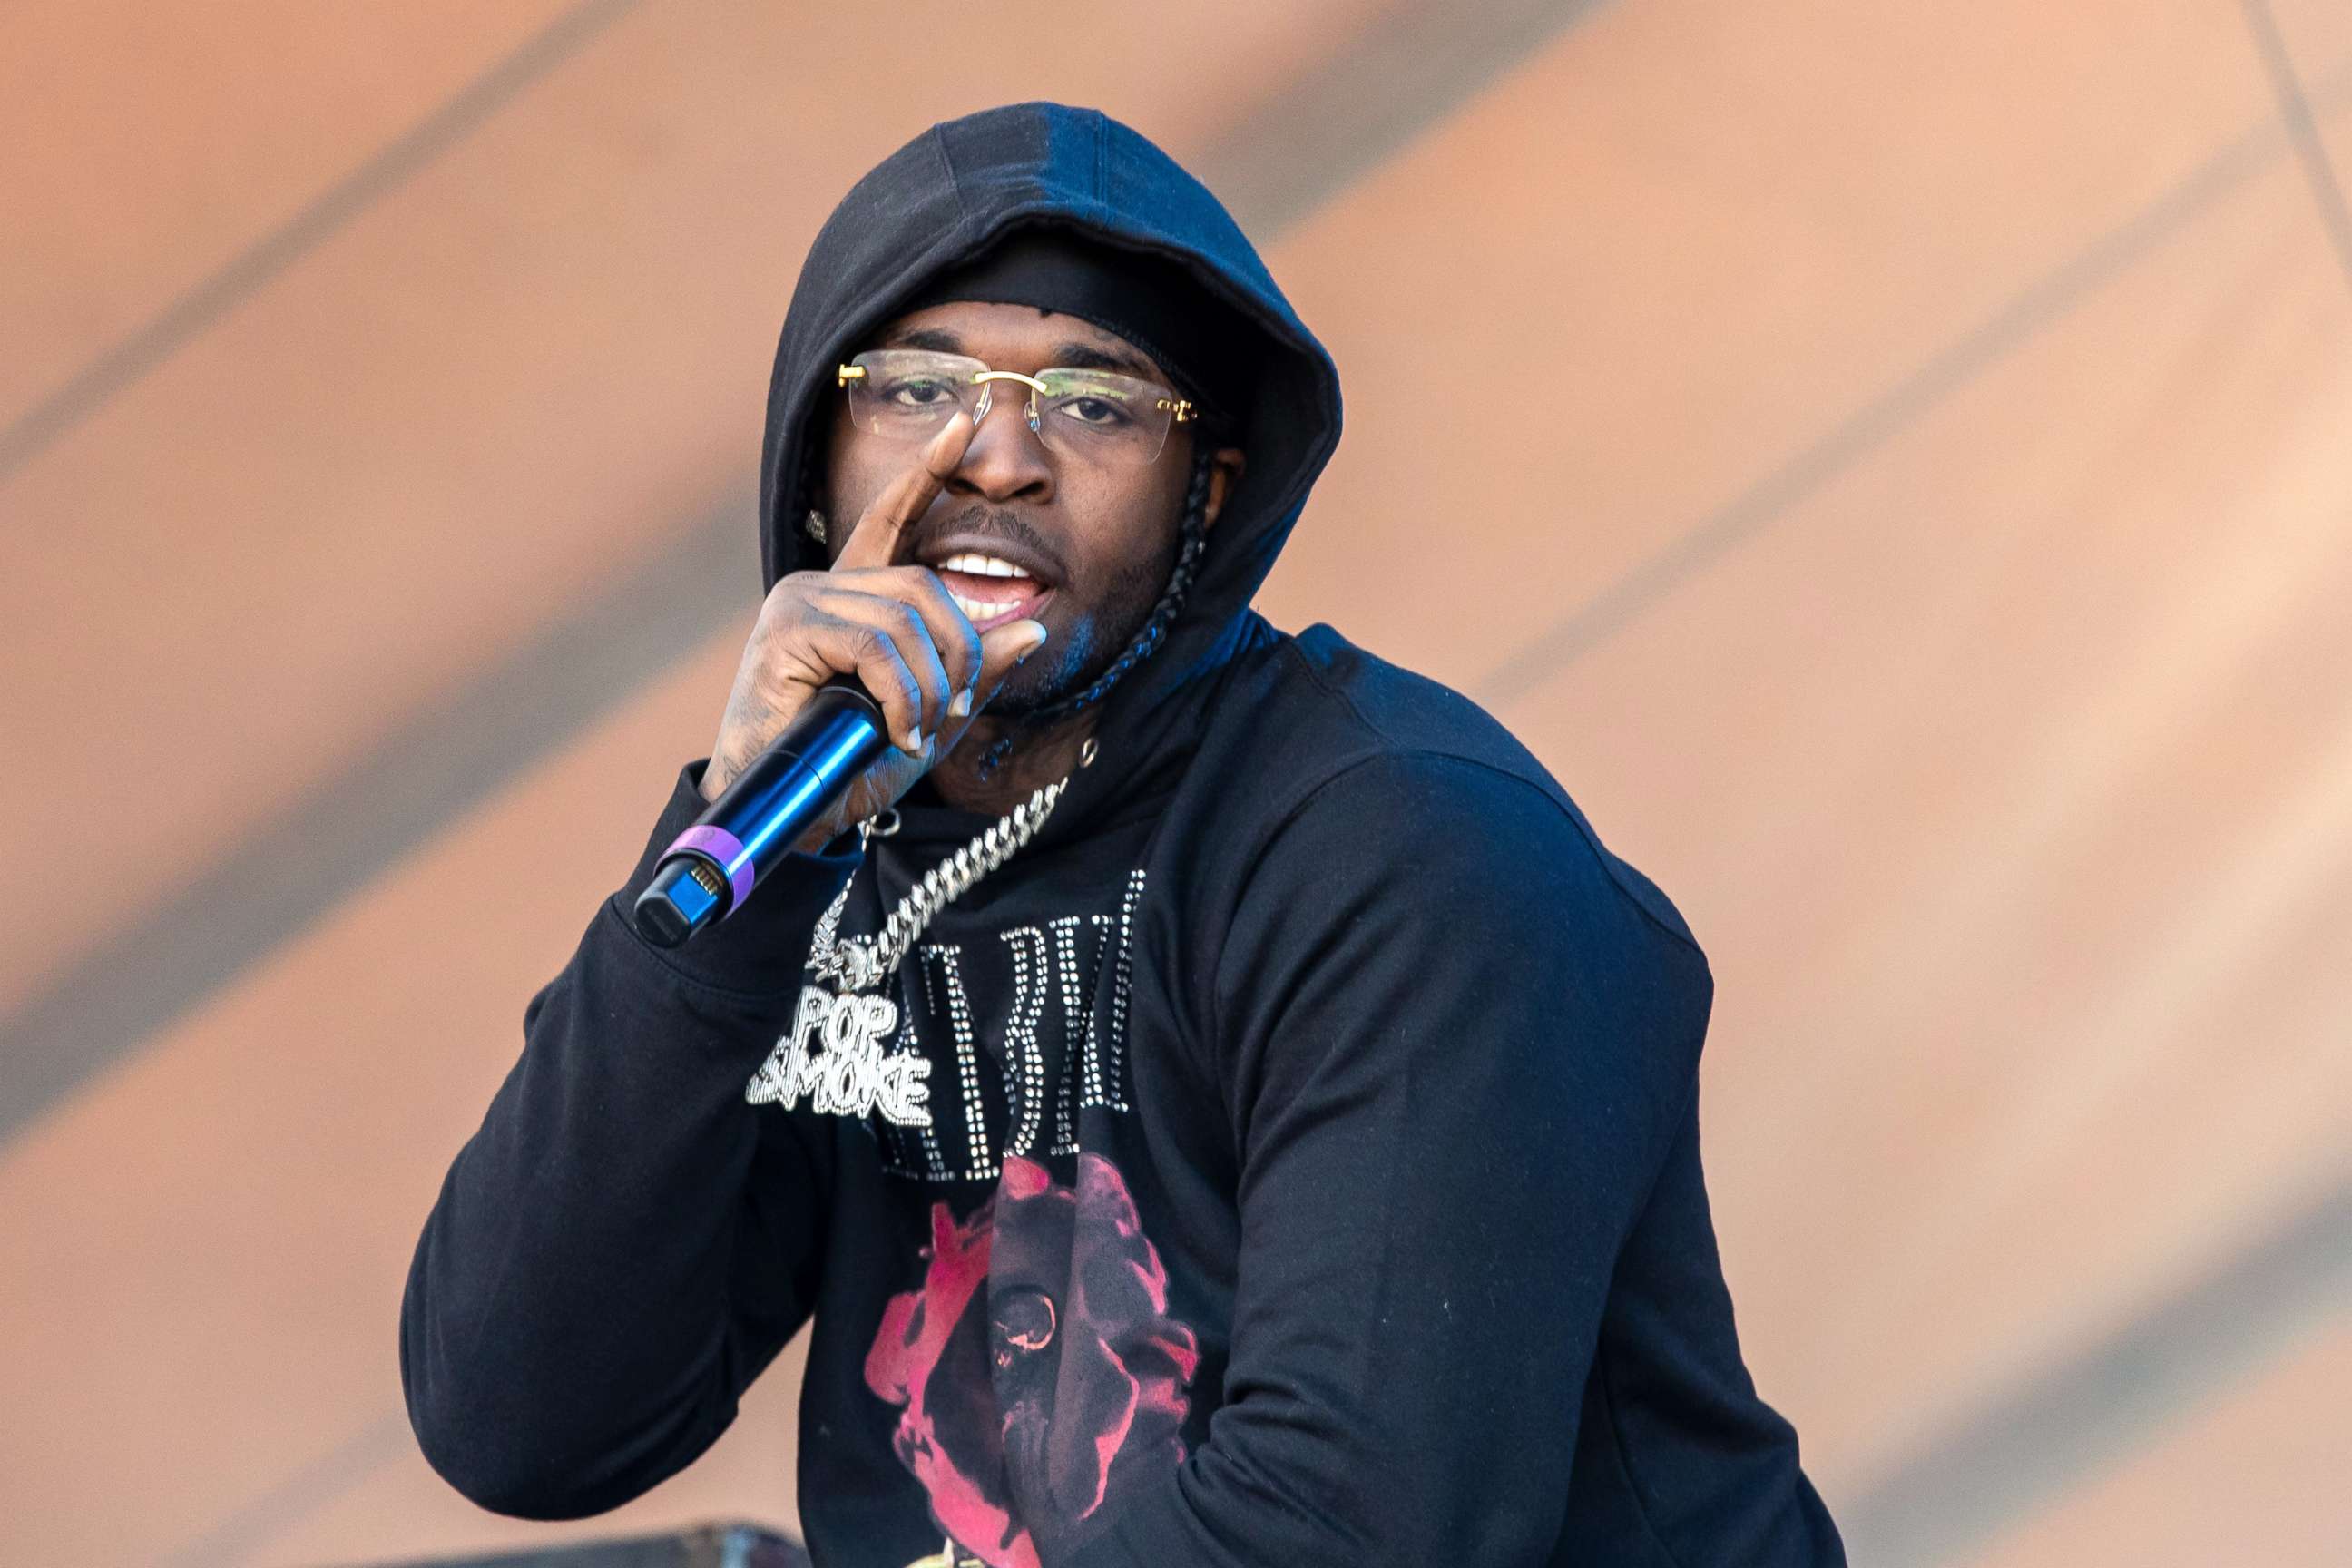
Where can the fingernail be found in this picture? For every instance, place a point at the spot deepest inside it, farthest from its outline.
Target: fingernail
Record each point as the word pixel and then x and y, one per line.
pixel 913 743
pixel 962 705
pixel 1036 634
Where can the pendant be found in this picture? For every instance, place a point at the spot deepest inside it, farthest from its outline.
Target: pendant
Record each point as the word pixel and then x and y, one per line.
pixel 852 1075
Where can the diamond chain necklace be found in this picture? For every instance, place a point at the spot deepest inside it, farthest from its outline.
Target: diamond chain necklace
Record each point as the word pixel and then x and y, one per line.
pixel 859 964
pixel 833 1054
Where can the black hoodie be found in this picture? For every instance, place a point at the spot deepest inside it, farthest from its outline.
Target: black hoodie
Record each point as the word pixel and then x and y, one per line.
pixel 1312 1174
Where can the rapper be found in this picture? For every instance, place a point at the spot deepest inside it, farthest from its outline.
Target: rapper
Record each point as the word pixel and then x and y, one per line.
pixel 1208 1094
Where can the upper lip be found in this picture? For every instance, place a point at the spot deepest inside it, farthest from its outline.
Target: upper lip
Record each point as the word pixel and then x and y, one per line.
pixel 1008 551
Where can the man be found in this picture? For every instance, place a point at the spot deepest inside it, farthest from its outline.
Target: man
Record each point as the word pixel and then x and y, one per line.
pixel 1210 1093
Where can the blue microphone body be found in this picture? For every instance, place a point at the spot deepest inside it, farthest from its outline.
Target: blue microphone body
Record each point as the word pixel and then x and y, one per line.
pixel 711 868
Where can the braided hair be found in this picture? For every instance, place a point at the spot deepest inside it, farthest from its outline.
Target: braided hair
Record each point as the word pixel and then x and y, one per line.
pixel 1194 539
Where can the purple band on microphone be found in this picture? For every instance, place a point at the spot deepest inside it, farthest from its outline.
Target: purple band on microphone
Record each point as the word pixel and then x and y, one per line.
pixel 727 851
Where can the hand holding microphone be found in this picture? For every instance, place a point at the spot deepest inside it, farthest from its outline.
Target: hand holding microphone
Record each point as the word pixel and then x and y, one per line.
pixel 884 637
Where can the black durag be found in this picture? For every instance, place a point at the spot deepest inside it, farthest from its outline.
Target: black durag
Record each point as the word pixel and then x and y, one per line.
pixel 1152 302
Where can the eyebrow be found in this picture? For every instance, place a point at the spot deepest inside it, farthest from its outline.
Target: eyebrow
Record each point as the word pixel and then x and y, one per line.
pixel 1069 355
pixel 932 338
pixel 1087 356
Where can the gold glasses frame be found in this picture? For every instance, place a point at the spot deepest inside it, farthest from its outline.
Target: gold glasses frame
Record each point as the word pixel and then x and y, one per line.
pixel 1179 409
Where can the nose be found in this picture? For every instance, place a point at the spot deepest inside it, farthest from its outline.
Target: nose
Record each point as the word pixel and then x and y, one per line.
pixel 1005 459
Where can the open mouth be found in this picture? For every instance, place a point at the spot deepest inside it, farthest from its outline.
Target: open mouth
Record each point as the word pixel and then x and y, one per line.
pixel 990 590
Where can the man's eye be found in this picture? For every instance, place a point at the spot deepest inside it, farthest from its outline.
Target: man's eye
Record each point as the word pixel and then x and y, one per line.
pixel 1095 411
pixel 918 393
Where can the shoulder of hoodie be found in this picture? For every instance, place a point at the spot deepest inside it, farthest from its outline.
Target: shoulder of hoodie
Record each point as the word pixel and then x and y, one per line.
pixel 1335 722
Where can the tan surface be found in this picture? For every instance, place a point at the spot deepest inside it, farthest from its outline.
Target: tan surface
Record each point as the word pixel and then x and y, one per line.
pixel 496 388
pixel 2001 766
pixel 2235 1484
pixel 158 142
pixel 208 1247
pixel 2336 134
pixel 2317 34
pixel 1722 267
pixel 2053 875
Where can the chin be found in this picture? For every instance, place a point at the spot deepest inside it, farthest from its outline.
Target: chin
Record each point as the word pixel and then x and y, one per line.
pixel 1030 688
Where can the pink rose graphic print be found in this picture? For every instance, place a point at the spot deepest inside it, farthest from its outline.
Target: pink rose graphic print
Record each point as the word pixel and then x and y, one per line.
pixel 1037 1366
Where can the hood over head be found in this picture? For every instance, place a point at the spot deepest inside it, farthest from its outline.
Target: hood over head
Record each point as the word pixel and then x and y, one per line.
pixel 1208 352
pixel 946 197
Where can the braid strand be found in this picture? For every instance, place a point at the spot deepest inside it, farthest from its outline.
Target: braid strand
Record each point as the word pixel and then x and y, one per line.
pixel 1195 539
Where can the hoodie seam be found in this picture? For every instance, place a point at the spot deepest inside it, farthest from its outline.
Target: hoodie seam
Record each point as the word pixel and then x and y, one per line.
pixel 1102 160
pixel 1608 1410
pixel 947 167
pixel 1604 1365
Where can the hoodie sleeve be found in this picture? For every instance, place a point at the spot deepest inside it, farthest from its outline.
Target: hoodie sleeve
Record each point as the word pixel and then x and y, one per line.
pixel 624 1243
pixel 1462 1045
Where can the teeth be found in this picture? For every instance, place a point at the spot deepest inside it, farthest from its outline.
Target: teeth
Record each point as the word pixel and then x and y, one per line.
pixel 980 565
pixel 979 610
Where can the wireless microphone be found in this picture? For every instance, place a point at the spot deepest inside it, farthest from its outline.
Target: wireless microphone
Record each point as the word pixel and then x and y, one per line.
pixel 711 868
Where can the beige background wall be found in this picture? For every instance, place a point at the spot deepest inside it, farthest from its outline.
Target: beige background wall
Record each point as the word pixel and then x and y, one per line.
pixel 1922 544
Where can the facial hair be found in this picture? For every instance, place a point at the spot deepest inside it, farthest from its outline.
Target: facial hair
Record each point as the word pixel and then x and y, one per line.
pixel 1090 648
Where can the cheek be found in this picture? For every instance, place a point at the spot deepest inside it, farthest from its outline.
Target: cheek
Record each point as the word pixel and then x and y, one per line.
pixel 846 489
pixel 854 479
pixel 1138 529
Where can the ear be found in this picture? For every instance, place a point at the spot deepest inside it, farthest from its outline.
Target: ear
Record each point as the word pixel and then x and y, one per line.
pixel 820 465
pixel 1225 472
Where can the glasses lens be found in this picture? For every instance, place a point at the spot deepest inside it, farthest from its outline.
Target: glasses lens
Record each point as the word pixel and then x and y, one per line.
pixel 1092 417
pixel 905 395
pixel 1098 416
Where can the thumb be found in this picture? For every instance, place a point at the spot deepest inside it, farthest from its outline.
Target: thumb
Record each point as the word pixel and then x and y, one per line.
pixel 1001 650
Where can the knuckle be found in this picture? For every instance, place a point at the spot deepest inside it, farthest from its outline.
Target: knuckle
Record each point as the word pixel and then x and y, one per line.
pixel 961 641
pixel 966 640
pixel 932 594
pixel 812 630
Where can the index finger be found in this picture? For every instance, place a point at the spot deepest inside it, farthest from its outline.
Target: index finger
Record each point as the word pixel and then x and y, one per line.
pixel 873 541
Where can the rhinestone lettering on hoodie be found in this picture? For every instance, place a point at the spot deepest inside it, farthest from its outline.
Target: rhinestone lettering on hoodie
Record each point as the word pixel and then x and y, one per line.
pixel 1057 1047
